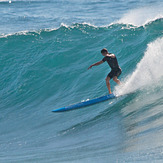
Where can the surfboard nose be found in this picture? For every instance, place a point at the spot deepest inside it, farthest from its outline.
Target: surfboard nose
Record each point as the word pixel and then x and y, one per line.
pixel 59 110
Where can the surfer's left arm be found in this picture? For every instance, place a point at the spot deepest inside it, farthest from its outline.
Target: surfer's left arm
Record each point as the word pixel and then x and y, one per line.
pixel 95 64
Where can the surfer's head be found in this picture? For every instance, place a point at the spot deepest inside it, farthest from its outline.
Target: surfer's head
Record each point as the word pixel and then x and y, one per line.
pixel 104 51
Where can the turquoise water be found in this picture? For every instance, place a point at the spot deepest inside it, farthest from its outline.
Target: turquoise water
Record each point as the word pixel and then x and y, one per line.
pixel 43 65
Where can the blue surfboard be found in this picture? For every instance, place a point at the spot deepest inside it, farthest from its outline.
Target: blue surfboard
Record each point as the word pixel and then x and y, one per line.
pixel 85 103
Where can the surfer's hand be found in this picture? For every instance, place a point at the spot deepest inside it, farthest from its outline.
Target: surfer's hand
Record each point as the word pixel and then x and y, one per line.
pixel 90 67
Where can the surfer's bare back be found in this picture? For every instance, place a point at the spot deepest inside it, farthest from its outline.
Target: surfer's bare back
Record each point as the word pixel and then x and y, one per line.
pixel 113 63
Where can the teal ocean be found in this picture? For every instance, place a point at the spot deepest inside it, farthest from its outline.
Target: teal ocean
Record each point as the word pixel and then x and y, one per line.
pixel 44 68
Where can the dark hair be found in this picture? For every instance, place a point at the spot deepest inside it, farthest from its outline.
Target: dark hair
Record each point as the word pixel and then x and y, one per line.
pixel 104 50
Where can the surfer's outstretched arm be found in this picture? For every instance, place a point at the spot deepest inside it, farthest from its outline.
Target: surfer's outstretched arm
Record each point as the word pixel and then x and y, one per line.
pixel 95 64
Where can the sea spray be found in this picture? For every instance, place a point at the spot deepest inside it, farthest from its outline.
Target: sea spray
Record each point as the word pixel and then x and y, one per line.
pixel 142 16
pixel 148 70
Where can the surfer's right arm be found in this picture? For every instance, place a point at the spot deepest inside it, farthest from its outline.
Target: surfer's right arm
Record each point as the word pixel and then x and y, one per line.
pixel 95 64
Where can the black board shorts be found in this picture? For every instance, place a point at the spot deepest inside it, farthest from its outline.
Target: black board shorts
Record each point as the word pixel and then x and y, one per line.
pixel 113 73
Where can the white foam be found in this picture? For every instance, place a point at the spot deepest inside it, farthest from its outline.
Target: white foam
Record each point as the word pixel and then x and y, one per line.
pixel 142 16
pixel 148 71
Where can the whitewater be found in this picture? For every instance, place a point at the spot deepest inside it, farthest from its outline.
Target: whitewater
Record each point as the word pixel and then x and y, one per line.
pixel 45 50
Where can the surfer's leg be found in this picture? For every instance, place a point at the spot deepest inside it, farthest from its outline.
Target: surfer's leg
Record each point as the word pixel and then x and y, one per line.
pixel 108 84
pixel 116 80
pixel 116 75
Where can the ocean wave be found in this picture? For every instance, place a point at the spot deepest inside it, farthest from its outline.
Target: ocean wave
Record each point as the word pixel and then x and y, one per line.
pixel 85 25
pixel 25 53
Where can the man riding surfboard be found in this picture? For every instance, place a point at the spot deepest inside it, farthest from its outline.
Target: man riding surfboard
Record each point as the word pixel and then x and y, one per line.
pixel 113 63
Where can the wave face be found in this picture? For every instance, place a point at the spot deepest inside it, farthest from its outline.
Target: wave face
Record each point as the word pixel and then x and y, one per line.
pixel 47 69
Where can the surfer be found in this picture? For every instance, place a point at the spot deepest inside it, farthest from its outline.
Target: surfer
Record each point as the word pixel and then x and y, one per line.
pixel 113 63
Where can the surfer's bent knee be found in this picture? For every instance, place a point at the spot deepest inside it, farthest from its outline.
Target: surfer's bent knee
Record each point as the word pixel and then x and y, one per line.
pixel 115 78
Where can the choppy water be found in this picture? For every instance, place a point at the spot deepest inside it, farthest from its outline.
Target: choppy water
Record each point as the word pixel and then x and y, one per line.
pixel 45 50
